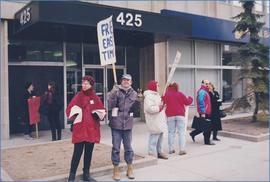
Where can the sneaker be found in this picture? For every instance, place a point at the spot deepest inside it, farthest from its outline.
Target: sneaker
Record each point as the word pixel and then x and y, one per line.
pixel 162 156
pixel 217 139
pixel 182 152
pixel 28 137
pixel 172 151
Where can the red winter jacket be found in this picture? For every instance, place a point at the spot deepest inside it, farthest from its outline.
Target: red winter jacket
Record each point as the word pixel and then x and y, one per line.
pixel 176 102
pixel 88 129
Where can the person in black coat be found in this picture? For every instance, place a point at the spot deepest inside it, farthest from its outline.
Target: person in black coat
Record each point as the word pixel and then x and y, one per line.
pixel 215 116
pixel 53 103
pixel 28 94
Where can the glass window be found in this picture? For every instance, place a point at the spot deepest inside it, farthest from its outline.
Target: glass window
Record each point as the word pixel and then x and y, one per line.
pixel 212 75
pixel 230 53
pixel 185 79
pixel 74 69
pixel 185 47
pixel 207 53
pixel 232 88
pixel 91 54
pixel 25 50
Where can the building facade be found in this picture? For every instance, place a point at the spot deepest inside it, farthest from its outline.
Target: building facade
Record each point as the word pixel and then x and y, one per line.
pixel 44 41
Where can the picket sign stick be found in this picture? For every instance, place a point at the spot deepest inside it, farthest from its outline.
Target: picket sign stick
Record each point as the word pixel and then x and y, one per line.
pixel 114 74
pixel 186 117
pixel 175 63
pixel 36 130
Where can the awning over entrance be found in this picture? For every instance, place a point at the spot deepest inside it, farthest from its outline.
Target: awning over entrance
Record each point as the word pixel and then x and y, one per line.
pixel 76 21
pixel 208 28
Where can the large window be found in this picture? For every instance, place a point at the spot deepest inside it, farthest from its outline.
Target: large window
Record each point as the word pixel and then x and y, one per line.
pixel 231 86
pixel 206 60
pixel 26 50
pixel 185 47
pixel 74 69
pixel 91 54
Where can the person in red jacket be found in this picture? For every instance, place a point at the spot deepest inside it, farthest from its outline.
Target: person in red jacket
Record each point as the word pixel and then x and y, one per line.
pixel 86 128
pixel 175 111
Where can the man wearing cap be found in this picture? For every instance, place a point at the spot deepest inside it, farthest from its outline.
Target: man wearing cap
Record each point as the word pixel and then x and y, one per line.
pixel 123 101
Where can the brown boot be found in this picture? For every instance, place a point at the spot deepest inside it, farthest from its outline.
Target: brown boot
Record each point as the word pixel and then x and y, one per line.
pixel 162 156
pixel 130 173
pixel 116 173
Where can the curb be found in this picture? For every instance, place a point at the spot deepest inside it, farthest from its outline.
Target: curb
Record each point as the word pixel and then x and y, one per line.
pixel 258 138
pixel 102 171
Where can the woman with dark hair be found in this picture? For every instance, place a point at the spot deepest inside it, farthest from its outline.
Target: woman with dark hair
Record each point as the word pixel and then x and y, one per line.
pixel 53 103
pixel 86 126
pixel 215 116
pixel 28 94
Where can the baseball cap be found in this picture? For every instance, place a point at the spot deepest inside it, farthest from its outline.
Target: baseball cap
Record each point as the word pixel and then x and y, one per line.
pixel 126 76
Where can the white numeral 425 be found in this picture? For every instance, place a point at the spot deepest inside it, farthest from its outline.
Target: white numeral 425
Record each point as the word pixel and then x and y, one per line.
pixel 129 19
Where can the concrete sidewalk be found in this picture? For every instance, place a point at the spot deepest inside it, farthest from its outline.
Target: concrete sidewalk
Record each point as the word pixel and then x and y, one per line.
pixel 229 160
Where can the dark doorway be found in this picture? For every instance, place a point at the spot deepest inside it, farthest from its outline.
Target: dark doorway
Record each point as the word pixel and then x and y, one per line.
pixel 39 76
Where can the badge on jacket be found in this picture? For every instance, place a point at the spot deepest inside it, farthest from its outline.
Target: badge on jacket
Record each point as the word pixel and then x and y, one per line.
pixel 91 101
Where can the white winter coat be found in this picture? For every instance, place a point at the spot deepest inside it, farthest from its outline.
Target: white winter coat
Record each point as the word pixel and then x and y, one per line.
pixel 156 121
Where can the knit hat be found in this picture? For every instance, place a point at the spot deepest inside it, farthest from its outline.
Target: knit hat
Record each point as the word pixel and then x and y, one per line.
pixel 152 85
pixel 27 85
pixel 90 79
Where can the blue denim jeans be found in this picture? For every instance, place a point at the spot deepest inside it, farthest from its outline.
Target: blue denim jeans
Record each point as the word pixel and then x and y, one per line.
pixel 117 137
pixel 155 143
pixel 177 123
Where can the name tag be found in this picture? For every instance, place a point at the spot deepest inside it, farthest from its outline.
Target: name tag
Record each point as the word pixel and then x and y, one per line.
pixel 131 114
pixel 91 101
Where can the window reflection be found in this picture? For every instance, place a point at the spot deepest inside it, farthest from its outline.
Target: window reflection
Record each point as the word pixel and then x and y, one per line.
pixel 35 51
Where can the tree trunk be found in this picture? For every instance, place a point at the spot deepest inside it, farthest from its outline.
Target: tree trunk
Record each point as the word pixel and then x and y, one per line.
pixel 254 117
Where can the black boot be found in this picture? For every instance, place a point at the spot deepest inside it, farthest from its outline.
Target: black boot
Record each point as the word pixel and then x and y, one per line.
pixel 59 134
pixel 53 135
pixel 71 177
pixel 86 176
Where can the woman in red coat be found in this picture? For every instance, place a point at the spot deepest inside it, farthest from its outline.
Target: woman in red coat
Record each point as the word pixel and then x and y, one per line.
pixel 86 127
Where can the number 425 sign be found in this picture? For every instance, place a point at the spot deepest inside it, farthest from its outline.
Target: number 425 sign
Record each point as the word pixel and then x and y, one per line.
pixel 129 19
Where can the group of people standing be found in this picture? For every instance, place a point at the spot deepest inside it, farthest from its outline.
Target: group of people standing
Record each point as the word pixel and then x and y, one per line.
pixel 51 105
pixel 171 109
pixel 164 116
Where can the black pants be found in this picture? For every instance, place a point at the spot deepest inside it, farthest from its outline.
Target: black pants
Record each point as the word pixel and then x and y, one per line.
pixel 215 133
pixel 77 153
pixel 27 127
pixel 206 133
pixel 53 118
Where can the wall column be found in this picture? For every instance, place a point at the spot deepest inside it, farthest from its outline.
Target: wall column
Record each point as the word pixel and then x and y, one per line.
pixel 4 104
pixel 160 65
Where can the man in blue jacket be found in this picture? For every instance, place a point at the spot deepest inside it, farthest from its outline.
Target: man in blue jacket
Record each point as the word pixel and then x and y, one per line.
pixel 203 102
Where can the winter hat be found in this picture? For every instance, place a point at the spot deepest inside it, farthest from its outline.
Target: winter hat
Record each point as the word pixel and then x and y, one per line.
pixel 90 79
pixel 152 85
pixel 27 84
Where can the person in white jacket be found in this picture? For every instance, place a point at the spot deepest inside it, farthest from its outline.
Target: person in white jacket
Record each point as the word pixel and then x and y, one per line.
pixel 155 117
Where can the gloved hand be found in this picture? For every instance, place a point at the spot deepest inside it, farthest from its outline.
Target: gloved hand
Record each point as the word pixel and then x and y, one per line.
pixel 114 89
